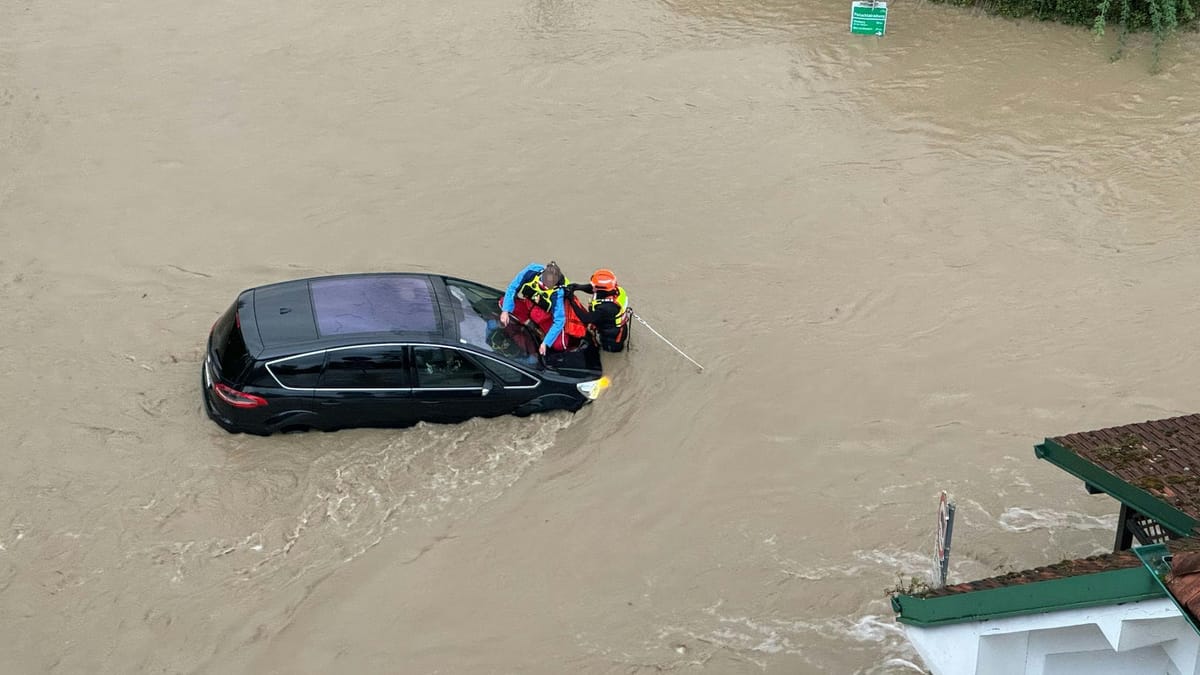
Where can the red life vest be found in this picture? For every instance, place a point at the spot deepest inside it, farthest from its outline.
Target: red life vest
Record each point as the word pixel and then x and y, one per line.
pixel 574 328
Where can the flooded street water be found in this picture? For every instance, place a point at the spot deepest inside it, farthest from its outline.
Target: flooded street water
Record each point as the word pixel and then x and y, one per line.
pixel 902 261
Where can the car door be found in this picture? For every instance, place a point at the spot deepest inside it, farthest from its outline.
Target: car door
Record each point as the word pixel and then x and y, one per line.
pixel 512 387
pixel 449 386
pixel 366 386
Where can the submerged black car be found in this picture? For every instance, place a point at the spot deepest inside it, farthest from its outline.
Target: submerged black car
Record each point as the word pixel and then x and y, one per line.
pixel 381 350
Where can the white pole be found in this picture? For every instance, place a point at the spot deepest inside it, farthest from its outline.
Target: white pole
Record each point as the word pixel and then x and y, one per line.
pixel 643 322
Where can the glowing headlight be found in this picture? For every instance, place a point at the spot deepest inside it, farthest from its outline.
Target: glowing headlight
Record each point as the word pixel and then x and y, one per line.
pixel 593 388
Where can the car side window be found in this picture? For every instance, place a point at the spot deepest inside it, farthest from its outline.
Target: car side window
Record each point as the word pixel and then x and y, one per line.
pixel 300 372
pixel 485 301
pixel 438 367
pixel 378 367
pixel 508 375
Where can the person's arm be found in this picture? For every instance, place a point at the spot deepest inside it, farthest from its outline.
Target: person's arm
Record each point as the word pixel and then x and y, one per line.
pixel 511 293
pixel 586 288
pixel 577 307
pixel 557 304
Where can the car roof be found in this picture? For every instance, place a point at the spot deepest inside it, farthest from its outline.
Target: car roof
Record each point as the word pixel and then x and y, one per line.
pixel 344 309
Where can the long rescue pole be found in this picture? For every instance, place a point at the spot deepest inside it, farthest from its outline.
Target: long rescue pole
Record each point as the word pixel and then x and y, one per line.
pixel 643 322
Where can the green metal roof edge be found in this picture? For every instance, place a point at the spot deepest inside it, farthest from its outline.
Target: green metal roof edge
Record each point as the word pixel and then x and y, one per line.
pixel 1132 496
pixel 1156 559
pixel 1111 587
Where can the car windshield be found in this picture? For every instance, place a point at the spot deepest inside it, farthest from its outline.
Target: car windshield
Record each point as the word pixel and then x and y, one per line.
pixel 480 324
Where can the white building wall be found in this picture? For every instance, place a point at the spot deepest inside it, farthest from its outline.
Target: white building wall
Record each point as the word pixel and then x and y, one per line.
pixel 1148 638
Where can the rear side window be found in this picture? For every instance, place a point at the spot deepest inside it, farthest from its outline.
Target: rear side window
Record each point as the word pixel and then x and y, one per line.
pixel 229 345
pixel 440 368
pixel 299 372
pixel 378 367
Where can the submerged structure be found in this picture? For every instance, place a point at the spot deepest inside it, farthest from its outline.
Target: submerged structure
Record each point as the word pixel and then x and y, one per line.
pixel 1132 611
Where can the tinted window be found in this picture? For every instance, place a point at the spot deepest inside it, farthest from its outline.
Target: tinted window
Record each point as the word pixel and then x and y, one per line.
pixel 259 377
pixel 229 344
pixel 483 301
pixel 301 372
pixel 438 367
pixel 365 368
pixel 479 324
pixel 373 304
pixel 510 376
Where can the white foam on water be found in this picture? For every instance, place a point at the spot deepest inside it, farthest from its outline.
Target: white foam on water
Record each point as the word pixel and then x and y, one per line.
pixel 899 486
pixel 975 504
pixel 745 638
pixel 896 665
pixel 897 561
pixel 763 638
pixel 1007 475
pixel 882 633
pixel 428 474
pixel 18 533
pixel 352 500
pixel 871 628
pixel 755 639
pixel 1016 519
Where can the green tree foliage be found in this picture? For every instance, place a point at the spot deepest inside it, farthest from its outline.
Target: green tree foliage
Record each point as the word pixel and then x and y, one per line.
pixel 1161 17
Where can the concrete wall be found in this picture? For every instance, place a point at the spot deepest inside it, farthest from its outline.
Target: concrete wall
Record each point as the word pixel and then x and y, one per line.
pixel 1148 638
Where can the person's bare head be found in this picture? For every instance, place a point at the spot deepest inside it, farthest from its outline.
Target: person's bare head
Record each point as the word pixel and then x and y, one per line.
pixel 551 276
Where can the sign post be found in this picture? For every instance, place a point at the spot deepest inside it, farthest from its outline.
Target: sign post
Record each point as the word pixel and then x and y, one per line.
pixel 868 17
pixel 945 530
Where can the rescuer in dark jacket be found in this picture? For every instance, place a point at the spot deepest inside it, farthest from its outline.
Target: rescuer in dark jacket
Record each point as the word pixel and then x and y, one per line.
pixel 607 315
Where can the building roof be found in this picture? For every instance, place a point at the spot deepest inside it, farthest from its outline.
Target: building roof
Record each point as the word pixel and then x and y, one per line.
pixel 1109 579
pixel 1027 593
pixel 1161 457
pixel 1152 467
pixel 1059 570
pixel 1181 549
pixel 1183 581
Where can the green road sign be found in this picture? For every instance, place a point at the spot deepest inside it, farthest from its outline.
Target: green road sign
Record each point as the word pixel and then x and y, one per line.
pixel 868 18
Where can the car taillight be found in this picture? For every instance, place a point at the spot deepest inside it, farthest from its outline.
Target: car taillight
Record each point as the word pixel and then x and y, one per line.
pixel 238 399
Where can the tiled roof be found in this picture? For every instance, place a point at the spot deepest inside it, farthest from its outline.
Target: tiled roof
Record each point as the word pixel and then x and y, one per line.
pixel 1184 580
pixel 1060 570
pixel 1161 457
pixel 1184 583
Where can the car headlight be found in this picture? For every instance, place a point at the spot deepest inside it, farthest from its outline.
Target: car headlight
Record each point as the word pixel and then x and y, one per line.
pixel 593 388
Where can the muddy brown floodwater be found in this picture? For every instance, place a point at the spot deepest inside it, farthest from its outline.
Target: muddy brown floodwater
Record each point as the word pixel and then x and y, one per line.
pixel 903 261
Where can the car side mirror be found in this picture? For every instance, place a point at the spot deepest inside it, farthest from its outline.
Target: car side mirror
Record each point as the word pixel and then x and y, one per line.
pixel 487 386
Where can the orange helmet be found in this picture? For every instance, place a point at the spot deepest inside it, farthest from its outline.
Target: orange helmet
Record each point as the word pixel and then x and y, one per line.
pixel 604 280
